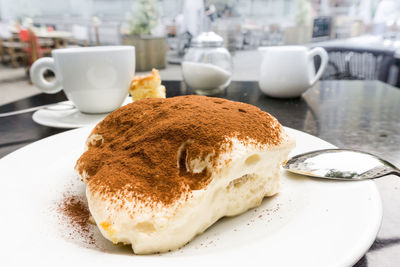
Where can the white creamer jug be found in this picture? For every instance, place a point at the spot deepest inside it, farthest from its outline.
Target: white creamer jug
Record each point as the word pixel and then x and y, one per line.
pixel 288 71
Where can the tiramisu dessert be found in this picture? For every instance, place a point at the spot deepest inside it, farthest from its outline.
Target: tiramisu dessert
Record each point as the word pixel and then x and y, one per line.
pixel 161 171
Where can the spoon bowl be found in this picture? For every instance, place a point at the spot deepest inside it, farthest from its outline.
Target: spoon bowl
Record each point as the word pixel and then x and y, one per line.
pixel 340 164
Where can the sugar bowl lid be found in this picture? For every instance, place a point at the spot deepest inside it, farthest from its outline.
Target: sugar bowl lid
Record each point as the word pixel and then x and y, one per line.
pixel 207 39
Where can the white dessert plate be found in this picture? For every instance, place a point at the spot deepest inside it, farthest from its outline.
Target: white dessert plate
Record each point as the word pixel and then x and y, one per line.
pixel 64 117
pixel 309 223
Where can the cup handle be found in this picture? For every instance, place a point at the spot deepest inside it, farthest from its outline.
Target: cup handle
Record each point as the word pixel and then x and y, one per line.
pixel 319 51
pixel 36 72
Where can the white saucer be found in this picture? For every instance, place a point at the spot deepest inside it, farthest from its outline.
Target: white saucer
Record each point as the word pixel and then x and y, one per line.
pixel 60 117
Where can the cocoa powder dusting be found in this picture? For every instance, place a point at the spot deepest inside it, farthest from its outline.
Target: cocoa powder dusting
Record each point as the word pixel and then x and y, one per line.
pixel 147 145
pixel 76 212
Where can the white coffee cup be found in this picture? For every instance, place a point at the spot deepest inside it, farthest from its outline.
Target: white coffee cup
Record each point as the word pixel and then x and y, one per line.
pixel 95 79
pixel 288 71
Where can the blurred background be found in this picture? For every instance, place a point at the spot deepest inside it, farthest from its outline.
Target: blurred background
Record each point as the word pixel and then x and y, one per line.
pixel 362 37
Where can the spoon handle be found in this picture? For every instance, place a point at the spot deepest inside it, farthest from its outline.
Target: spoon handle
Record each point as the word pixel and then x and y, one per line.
pixel 396 172
pixel 380 172
pixel 27 110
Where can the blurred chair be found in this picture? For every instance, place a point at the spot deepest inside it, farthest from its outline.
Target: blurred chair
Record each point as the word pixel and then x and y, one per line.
pixel 5 35
pixel 10 51
pixel 80 35
pixel 32 48
pixel 10 46
pixel 351 63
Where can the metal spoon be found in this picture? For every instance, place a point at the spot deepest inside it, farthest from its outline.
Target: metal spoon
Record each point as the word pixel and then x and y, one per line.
pixel 340 164
pixel 64 105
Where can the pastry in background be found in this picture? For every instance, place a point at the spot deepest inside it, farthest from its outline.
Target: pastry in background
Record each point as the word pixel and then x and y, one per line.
pixel 147 86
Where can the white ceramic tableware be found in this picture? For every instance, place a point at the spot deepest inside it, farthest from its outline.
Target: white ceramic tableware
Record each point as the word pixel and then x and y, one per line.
pixel 309 223
pixel 95 79
pixel 288 71
pixel 60 116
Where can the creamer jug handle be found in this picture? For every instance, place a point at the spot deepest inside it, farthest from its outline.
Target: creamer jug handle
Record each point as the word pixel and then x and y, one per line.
pixel 318 51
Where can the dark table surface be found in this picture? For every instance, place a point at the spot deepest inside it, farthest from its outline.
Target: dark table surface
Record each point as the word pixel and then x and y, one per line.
pixel 362 115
